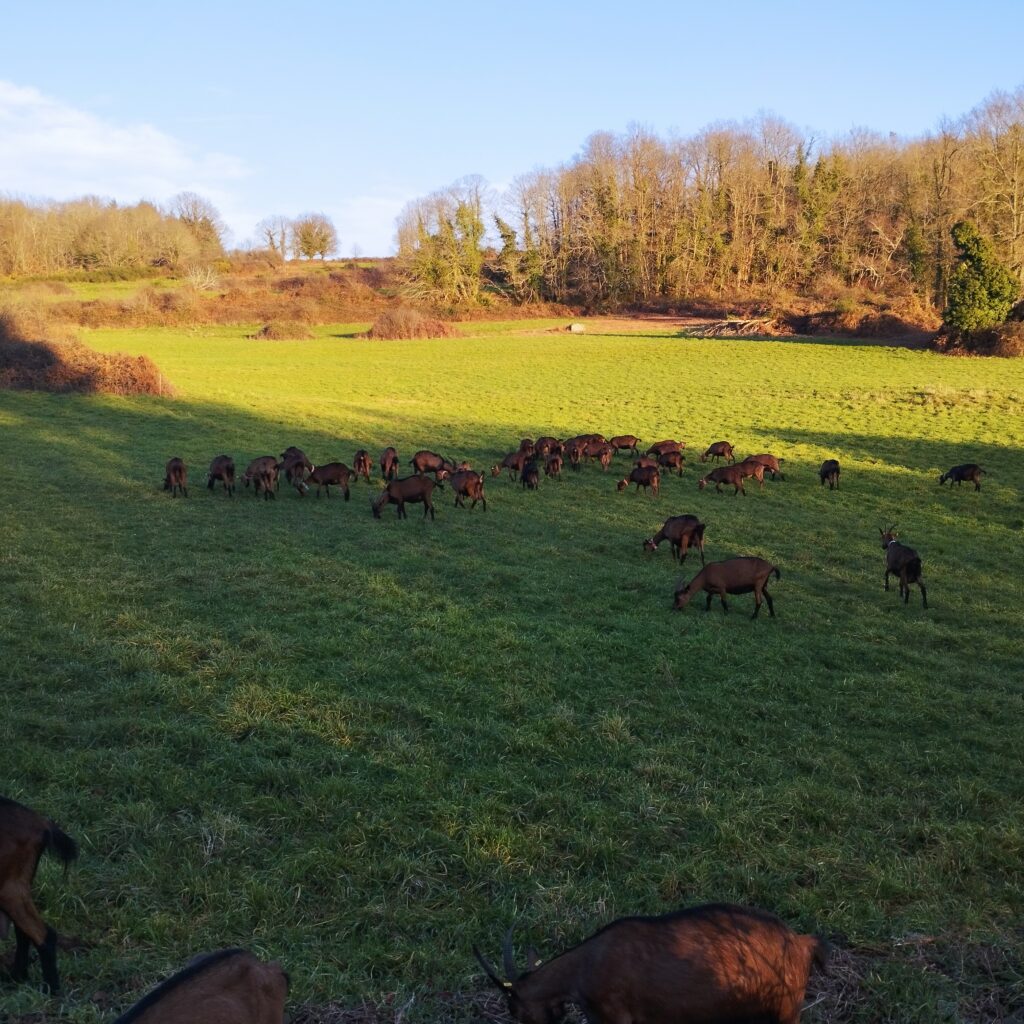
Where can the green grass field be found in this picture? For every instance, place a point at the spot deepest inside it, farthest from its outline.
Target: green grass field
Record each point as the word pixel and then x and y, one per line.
pixel 362 746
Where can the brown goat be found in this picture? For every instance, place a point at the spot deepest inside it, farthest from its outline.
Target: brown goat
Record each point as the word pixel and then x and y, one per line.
pixel 230 986
pixel 361 464
pixel 262 474
pixel 412 490
pixel 24 837
pixel 969 471
pixel 714 964
pixel 665 446
pixel 295 467
pixel 176 477
pixel 734 475
pixel 829 474
pixel 643 477
pixel 574 452
pixel 904 563
pixel 526 445
pixel 545 446
pixel 770 463
pixel 513 462
pixel 625 443
pixel 468 484
pixel 389 464
pixel 530 477
pixel 430 462
pixel 719 450
pixel 733 576
pixel 222 468
pixel 672 460
pixel 682 532
pixel 553 466
pixel 330 474
pixel 646 460
pixel 600 450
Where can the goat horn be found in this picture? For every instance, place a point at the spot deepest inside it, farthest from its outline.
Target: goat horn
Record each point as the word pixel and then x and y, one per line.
pixel 533 957
pixel 507 957
pixel 489 970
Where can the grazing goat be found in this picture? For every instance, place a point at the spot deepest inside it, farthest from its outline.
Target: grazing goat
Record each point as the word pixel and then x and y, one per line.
pixel 262 474
pixel 176 477
pixel 430 462
pixel 958 474
pixel 904 563
pixel 361 464
pixel 230 986
pixel 600 450
pixel 24 837
pixel 719 450
pixel 553 466
pixel 734 475
pixel 672 460
pixel 530 476
pixel 513 462
pixel 625 443
pixel 585 438
pixel 770 463
pixel 646 460
pixel 713 964
pixel 331 473
pixel 682 532
pixel 545 446
pixel 389 464
pixel 222 468
pixel 665 446
pixel 574 450
pixel 295 468
pixel 411 490
pixel 829 474
pixel 733 576
pixel 643 477
pixel 468 484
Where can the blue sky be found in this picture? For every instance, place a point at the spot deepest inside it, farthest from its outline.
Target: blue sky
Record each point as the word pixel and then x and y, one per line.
pixel 355 108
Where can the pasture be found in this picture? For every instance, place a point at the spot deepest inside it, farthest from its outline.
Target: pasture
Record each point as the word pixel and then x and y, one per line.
pixel 362 746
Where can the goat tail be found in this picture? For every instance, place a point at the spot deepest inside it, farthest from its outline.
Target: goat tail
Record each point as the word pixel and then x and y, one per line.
pixel 775 569
pixel 61 844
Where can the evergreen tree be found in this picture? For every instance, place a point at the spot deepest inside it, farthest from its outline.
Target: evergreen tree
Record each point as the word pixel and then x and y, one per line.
pixel 981 290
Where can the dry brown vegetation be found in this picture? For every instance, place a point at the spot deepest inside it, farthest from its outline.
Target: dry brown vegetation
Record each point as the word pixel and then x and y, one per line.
pixel 35 357
pixel 406 322
pixel 283 330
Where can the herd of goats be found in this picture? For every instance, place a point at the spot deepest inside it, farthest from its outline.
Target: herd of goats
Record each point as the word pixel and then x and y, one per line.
pixel 706 964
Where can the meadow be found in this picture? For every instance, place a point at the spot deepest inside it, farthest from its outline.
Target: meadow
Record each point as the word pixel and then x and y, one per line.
pixel 363 746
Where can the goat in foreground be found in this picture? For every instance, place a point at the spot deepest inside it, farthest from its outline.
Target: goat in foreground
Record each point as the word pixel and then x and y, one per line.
pixel 712 964
pixel 222 468
pixel 331 473
pixel 176 477
pixel 903 563
pixel 411 489
pixel 969 471
pixel 230 986
pixel 24 837
pixel 643 477
pixel 466 483
pixel 733 576
pixel 829 474
pixel 682 532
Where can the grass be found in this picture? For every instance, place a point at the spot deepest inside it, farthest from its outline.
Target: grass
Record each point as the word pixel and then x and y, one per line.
pixel 362 746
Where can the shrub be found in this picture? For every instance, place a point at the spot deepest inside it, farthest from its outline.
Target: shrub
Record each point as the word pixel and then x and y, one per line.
pixel 284 330
pixel 33 357
pixel 405 322
pixel 981 290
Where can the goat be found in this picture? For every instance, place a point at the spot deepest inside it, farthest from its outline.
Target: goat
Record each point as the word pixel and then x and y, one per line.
pixel 600 450
pixel 222 468
pixel 625 443
pixel 331 473
pixel 230 986
pixel 585 438
pixel 574 450
pixel 553 466
pixel 545 446
pixel 468 484
pixel 665 446
pixel 262 474
pixel 411 489
pixel 513 462
pixel 643 477
pixel 733 576
pixel 904 563
pixel 176 477
pixel 530 476
pixel 295 468
pixel 361 464
pixel 682 532
pixel 829 474
pixel 389 464
pixel 707 964
pixel 734 475
pixel 24 837
pixel 958 474
pixel 526 445
pixel 672 460
pixel 646 460
pixel 719 450
pixel 430 462
pixel 770 463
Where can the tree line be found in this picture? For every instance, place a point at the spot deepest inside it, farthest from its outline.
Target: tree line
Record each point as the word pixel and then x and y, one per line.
pixel 758 208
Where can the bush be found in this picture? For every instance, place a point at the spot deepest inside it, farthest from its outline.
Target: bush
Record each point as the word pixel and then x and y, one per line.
pixel 284 330
pixel 981 290
pixel 405 322
pixel 32 357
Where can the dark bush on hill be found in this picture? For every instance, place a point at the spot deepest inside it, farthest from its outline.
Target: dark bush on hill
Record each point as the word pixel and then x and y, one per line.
pixel 283 330
pixel 405 322
pixel 33 357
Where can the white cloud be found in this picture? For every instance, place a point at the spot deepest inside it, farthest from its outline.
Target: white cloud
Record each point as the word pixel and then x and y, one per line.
pixel 49 149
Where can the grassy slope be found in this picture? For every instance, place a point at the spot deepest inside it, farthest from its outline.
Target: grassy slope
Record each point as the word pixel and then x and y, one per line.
pixel 361 746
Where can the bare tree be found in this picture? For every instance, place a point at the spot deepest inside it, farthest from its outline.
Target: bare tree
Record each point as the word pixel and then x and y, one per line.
pixel 202 219
pixel 275 230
